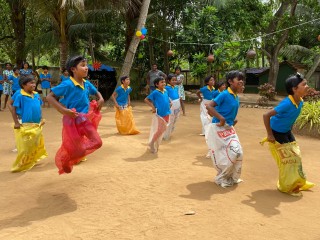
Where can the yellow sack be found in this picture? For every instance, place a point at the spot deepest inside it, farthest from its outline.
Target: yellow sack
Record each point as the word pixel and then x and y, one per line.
pixel 125 122
pixel 30 145
pixel 288 158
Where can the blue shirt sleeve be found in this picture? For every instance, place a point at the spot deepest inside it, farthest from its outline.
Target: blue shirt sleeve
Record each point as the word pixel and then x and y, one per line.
pixel 92 89
pixel 17 100
pixel 61 89
pixel 281 108
pixel 219 99
pixel 151 96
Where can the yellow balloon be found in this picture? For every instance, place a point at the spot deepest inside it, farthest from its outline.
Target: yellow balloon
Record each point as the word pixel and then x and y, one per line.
pixel 138 33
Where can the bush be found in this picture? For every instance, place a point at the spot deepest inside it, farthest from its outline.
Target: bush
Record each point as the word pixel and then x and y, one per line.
pixel 263 101
pixel 309 118
pixel 267 90
pixel 312 95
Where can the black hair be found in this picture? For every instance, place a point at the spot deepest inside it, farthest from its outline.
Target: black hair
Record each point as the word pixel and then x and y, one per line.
pixel 217 85
pixel 24 79
pixel 24 64
pixel 63 70
pixel 293 81
pixel 45 67
pixel 73 62
pixel 15 69
pixel 207 79
pixel 232 75
pixel 177 68
pixel 154 64
pixel 8 64
pixel 123 78
pixel 157 80
pixel 170 76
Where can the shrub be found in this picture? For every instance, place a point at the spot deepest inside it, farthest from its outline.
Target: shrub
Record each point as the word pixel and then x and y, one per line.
pixel 267 90
pixel 309 117
pixel 312 95
pixel 263 101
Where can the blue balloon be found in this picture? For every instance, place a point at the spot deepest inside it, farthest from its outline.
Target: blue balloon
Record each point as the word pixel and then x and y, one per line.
pixel 144 31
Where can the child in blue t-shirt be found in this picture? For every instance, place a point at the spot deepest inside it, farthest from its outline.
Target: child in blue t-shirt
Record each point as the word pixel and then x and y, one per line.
pixel 222 139
pixel 65 75
pixel 74 102
pixel 124 117
pixel 205 95
pixel 160 103
pixel 173 93
pixel 15 80
pixel 219 86
pixel 25 108
pixel 278 123
pixel 45 79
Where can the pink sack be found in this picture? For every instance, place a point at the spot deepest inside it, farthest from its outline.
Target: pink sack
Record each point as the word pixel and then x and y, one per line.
pixel 79 138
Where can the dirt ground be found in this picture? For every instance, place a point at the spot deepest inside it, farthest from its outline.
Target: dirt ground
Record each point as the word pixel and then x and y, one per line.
pixel 125 192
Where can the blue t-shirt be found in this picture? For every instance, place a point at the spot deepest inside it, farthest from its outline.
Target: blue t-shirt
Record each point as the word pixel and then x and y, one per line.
pixel 227 106
pixel 173 92
pixel 1 79
pixel 287 113
pixel 28 107
pixel 63 78
pixel 15 80
pixel 25 71
pixel 45 83
pixel 74 95
pixel 122 95
pixel 207 92
pixel 215 93
pixel 161 102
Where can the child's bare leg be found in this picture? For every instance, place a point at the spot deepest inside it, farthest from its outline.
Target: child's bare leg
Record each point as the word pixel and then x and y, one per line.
pixel 5 101
pixel 182 106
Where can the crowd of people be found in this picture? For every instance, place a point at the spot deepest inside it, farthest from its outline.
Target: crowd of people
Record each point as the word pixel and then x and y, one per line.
pixel 219 105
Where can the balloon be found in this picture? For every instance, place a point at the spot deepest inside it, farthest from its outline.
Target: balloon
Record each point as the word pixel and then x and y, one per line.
pixel 142 37
pixel 251 54
pixel 319 38
pixel 138 33
pixel 144 31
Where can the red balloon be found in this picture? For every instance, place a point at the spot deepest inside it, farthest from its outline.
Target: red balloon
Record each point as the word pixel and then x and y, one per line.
pixel 170 53
pixel 210 58
pixel 142 37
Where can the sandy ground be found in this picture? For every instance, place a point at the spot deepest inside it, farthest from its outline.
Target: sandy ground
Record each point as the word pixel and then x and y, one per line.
pixel 125 192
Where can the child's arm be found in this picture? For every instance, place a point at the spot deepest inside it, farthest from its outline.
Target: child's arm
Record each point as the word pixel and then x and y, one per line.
pixel 100 100
pixel 266 121
pixel 51 98
pixel 14 114
pixel 149 102
pixel 199 95
pixel 213 113
pixel 129 100
pixel 113 97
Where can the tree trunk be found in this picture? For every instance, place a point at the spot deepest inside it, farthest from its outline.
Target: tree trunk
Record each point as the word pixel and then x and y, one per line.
pixel 18 18
pixel 125 71
pixel 316 63
pixel 274 70
pixel 63 44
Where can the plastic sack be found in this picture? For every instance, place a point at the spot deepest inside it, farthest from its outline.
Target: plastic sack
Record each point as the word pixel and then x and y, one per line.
pixel 226 154
pixel 292 179
pixel 30 146
pixel 206 119
pixel 79 138
pixel 158 128
pixel 125 122
pixel 175 113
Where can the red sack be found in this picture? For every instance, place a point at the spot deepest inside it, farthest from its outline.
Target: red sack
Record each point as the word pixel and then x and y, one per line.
pixel 79 138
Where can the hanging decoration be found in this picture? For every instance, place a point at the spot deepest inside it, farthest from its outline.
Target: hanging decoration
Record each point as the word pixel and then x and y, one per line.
pixel 210 57
pixel 251 54
pixel 319 38
pixel 170 53
pixel 142 33
pixel 96 65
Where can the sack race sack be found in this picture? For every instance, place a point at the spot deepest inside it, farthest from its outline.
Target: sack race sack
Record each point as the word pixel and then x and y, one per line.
pixel 292 179
pixel 206 119
pixel 79 138
pixel 175 113
pixel 226 154
pixel 158 127
pixel 30 146
pixel 125 122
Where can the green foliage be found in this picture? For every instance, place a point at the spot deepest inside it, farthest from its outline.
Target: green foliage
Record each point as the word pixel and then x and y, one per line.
pixel 310 116
pixel 267 90
pixel 199 66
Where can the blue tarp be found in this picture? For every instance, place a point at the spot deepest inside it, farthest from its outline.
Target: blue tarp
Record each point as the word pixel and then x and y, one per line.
pixel 103 67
